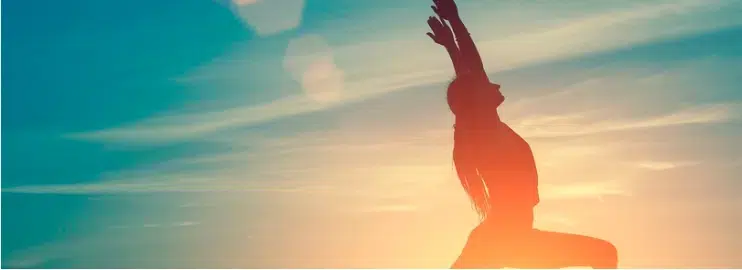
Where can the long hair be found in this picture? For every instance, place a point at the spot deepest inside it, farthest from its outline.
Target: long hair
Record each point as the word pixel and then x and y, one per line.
pixel 467 142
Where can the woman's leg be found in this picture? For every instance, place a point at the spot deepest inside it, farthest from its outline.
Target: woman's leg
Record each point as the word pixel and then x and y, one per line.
pixel 535 249
pixel 478 250
pixel 491 243
pixel 542 249
pixel 510 241
pixel 471 256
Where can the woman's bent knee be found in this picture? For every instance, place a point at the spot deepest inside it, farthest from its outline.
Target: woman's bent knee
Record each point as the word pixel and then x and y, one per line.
pixel 608 255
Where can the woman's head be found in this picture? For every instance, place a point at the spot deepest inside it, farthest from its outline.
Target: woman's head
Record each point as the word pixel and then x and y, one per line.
pixel 471 96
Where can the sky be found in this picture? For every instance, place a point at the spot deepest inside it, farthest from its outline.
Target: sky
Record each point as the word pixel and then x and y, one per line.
pixel 315 133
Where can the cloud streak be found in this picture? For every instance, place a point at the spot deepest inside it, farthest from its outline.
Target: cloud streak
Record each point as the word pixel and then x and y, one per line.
pixel 578 124
pixel 158 225
pixel 665 165
pixel 284 14
pixel 188 126
pixel 395 208
pixel 174 185
pixel 585 190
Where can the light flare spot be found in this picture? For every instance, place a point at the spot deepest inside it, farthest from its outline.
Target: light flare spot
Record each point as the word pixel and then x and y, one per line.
pixel 310 61
pixel 269 17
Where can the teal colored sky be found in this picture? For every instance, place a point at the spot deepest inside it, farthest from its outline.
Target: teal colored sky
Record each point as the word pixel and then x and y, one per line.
pixel 315 133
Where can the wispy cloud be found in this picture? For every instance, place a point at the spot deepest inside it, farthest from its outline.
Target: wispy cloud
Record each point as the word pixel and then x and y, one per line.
pixel 157 225
pixel 584 190
pixel 84 246
pixel 188 126
pixel 582 124
pixel 284 14
pixel 665 165
pixel 575 38
pixel 36 256
pixel 173 185
pixel 569 124
pixel 245 2
pixel 608 31
pixel 391 208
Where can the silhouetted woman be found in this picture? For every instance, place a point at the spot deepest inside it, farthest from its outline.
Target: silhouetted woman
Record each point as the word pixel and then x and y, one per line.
pixel 497 169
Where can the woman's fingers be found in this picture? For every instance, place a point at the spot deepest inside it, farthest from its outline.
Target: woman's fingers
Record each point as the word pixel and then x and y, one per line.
pixel 444 8
pixel 437 22
pixel 439 26
pixel 440 21
pixel 432 37
pixel 440 30
pixel 432 24
pixel 433 27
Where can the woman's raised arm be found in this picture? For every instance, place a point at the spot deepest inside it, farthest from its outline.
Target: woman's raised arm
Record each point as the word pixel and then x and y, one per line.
pixel 443 35
pixel 470 58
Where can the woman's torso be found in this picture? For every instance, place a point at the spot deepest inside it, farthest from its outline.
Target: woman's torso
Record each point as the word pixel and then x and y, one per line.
pixel 510 174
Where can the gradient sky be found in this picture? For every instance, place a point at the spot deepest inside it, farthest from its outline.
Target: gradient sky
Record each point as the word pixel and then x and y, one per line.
pixel 290 133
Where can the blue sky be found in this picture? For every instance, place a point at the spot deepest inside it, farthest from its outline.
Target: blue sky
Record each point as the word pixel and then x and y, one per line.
pixel 296 133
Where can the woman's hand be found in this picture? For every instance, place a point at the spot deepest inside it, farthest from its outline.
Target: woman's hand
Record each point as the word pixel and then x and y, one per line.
pixel 441 34
pixel 446 9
